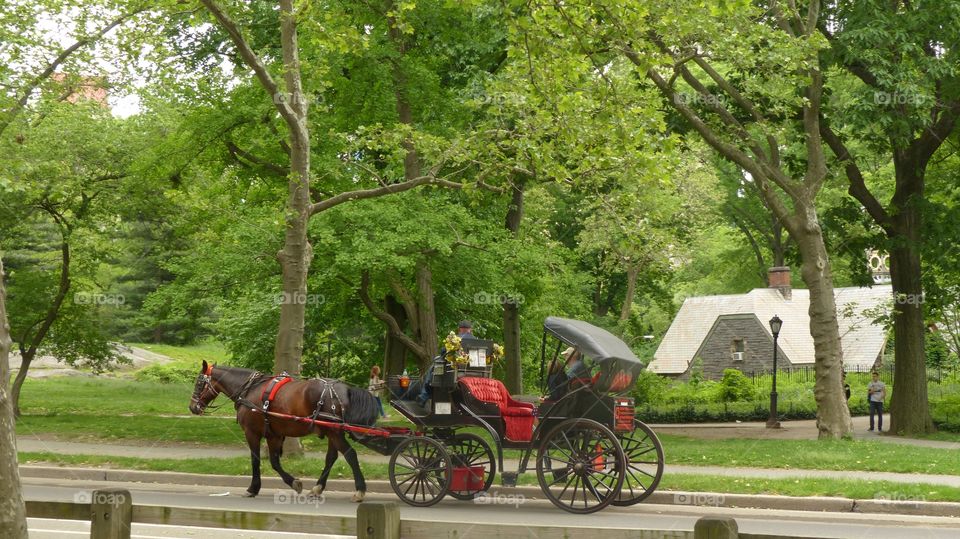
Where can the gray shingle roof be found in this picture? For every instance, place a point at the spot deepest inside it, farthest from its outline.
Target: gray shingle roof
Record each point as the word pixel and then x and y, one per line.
pixel 862 340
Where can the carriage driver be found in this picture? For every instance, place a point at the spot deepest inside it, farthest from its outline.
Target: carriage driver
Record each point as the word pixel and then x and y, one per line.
pixel 560 375
pixel 464 330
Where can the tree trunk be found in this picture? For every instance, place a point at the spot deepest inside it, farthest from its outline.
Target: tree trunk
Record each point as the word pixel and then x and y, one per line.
pixel 909 408
pixel 13 516
pixel 833 416
pixel 427 312
pixel 26 358
pixel 632 273
pixel 30 344
pixel 395 353
pixel 513 360
pixel 296 255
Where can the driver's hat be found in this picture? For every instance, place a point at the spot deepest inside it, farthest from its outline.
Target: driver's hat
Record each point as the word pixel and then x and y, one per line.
pixel 566 353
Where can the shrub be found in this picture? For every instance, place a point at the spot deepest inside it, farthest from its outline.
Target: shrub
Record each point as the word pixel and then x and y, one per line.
pixel 168 373
pixel 650 388
pixel 734 386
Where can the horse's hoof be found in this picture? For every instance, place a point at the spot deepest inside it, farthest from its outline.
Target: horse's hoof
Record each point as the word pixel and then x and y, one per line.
pixel 317 490
pixel 248 494
pixel 358 496
pixel 297 486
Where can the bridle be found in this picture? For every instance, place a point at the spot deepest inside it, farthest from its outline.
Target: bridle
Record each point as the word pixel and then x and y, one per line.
pixel 205 384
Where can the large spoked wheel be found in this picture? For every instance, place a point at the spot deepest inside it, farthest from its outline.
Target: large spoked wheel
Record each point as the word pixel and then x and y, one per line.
pixel 471 452
pixel 644 456
pixel 580 466
pixel 420 471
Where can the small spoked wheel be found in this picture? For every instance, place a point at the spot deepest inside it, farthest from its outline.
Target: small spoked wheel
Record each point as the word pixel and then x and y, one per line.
pixel 644 455
pixel 420 471
pixel 474 466
pixel 580 466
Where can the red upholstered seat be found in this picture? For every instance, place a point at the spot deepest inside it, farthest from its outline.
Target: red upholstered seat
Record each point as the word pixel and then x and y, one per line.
pixel 518 417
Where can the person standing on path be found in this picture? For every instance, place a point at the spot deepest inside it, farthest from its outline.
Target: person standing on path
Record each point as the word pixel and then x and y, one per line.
pixel 876 394
pixel 375 387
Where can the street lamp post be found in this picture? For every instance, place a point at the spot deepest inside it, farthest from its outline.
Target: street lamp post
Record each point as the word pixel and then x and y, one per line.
pixel 772 421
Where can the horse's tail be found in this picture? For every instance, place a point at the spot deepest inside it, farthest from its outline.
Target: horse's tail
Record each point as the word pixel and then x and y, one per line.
pixel 362 408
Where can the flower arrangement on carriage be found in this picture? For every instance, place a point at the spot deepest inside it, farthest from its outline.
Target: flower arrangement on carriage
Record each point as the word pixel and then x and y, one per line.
pixel 457 356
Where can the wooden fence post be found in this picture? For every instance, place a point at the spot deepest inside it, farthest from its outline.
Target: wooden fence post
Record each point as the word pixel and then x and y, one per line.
pixel 715 528
pixel 111 514
pixel 378 520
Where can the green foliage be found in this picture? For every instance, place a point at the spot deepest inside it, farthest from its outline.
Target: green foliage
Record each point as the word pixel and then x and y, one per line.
pixel 168 373
pixel 734 386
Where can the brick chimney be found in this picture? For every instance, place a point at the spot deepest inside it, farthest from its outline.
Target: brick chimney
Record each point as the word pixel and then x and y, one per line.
pixel 779 277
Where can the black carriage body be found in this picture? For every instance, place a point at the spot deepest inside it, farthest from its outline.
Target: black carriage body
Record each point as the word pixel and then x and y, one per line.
pixel 597 401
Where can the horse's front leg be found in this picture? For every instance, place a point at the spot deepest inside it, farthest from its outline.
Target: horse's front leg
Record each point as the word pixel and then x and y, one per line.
pixel 253 441
pixel 275 445
pixel 328 466
pixel 350 454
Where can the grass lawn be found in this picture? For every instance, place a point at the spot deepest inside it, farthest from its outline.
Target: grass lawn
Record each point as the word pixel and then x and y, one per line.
pixel 311 468
pixel 213 352
pixel 811 454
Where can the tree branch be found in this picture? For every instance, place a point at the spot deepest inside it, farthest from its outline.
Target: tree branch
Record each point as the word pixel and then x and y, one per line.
pixel 858 187
pixel 238 153
pixel 390 321
pixel 55 63
pixel 254 62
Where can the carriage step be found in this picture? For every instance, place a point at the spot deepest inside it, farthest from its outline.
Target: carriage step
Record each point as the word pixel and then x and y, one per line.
pixel 508 479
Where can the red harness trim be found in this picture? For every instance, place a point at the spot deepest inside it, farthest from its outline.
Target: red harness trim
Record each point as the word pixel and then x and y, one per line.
pixel 274 387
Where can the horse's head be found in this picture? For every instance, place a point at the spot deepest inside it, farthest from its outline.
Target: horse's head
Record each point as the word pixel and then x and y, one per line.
pixel 204 391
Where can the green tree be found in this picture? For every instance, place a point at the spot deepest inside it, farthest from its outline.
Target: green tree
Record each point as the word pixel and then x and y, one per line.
pixel 759 110
pixel 904 58
pixel 65 181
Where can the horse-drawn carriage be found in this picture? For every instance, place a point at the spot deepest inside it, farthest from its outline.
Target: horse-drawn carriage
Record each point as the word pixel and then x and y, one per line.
pixel 587 447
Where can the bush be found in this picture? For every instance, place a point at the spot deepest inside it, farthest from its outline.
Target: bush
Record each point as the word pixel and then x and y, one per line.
pixel 650 388
pixel 168 373
pixel 734 386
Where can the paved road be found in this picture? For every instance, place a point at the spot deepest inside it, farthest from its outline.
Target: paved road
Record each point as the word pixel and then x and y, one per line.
pixel 45 528
pixel 529 512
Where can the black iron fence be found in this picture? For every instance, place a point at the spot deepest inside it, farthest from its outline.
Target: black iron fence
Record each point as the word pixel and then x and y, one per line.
pixel 858 374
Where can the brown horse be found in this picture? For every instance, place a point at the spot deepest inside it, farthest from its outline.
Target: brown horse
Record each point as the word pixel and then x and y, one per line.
pixel 319 398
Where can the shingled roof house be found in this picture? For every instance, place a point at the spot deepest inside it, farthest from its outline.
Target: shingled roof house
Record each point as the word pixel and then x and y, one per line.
pixel 732 332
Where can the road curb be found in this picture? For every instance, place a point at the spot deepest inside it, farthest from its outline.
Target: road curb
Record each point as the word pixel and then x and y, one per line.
pixel 679 498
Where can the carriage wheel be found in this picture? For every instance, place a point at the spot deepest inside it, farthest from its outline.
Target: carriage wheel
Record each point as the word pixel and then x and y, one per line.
pixel 580 466
pixel 420 471
pixel 469 451
pixel 644 464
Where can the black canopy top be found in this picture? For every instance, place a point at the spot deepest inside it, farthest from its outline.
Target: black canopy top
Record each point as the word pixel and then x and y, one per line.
pixel 596 343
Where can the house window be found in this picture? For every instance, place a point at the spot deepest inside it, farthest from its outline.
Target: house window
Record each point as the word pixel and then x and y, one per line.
pixel 738 347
